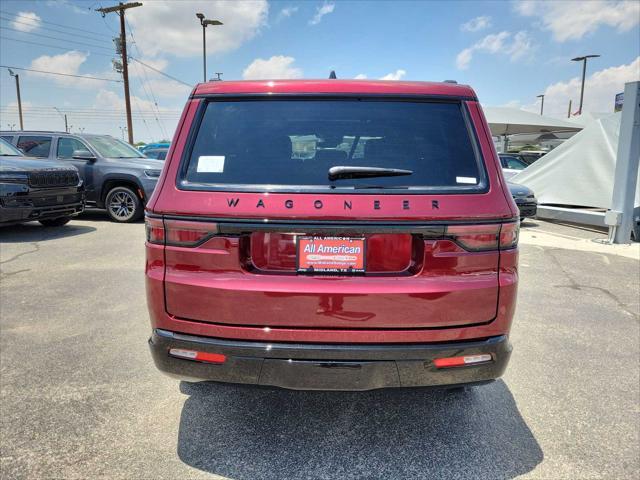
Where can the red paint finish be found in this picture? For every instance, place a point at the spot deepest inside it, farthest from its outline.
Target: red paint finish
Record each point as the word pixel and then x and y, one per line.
pixel 415 290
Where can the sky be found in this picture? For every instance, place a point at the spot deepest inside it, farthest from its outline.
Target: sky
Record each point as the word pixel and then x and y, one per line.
pixel 508 51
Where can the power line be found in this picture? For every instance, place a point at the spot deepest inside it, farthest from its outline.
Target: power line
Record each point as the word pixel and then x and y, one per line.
pixel 62 74
pixel 160 72
pixel 92 109
pixel 53 23
pixel 100 36
pixel 93 45
pixel 144 88
pixel 52 46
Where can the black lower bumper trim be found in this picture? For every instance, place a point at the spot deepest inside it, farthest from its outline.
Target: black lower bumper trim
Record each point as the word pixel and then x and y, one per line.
pixel 329 366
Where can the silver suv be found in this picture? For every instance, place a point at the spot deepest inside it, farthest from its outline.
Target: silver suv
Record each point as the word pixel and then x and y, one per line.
pixel 117 177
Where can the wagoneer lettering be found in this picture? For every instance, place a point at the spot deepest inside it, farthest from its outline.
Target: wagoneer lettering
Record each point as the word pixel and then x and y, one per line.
pixel 335 231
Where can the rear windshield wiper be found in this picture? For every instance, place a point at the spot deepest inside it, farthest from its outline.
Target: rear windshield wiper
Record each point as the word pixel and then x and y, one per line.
pixel 365 172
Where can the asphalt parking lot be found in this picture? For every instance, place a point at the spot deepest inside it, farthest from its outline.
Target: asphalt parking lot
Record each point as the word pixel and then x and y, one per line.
pixel 81 398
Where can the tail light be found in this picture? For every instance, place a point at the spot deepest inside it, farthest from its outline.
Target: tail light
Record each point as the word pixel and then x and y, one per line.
pixel 179 233
pixel 477 238
pixel 509 235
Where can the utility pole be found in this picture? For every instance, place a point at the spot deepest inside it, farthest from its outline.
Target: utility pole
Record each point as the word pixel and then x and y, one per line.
pixel 204 22
pixel 541 104
pixel 584 71
pixel 18 95
pixel 569 111
pixel 66 125
pixel 120 9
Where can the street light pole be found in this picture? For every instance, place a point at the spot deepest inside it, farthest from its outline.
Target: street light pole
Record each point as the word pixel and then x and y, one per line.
pixel 204 22
pixel 18 95
pixel 541 97
pixel 584 71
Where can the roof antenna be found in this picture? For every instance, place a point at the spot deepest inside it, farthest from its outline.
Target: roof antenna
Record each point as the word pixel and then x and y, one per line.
pixel 332 75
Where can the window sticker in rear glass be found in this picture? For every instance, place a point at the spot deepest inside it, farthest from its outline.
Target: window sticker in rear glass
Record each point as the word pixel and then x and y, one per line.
pixel 211 163
pixel 469 180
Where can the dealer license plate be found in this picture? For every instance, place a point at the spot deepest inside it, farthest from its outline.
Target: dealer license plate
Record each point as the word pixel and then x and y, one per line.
pixel 341 255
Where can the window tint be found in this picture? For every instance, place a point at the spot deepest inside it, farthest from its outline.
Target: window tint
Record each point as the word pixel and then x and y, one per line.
pixel 516 164
pixel 66 147
pixel 109 147
pixel 157 154
pixel 295 142
pixel 6 149
pixel 35 146
pixel 513 163
pixel 7 138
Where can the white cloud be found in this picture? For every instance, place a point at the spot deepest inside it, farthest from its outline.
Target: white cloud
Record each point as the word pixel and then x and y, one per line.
pixel 26 21
pixel 361 76
pixel 397 75
pixel 599 91
pixel 68 63
pixel 515 46
pixel 286 13
pixel 570 20
pixel 476 24
pixel 277 67
pixel 167 27
pixel 325 9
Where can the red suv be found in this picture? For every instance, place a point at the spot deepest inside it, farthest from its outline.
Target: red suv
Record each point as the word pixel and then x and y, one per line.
pixel 332 235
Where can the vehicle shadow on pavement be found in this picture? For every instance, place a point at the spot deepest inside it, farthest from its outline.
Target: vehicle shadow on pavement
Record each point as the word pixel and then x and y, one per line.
pixel 34 232
pixel 246 433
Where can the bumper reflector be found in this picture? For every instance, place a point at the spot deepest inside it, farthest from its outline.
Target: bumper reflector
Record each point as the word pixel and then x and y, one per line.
pixel 198 356
pixel 461 361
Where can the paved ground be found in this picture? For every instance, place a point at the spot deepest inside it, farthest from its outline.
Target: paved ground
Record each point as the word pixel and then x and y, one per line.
pixel 80 397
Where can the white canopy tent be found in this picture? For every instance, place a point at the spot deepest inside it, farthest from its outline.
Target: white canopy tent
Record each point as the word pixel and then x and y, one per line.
pixel 504 121
pixel 580 172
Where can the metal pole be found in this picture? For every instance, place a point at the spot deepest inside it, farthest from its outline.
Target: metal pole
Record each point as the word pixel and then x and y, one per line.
pixel 19 101
pixel 120 10
pixel 584 71
pixel 569 111
pixel 627 161
pixel 505 143
pixel 541 97
pixel 204 52
pixel 125 77
pixel 66 125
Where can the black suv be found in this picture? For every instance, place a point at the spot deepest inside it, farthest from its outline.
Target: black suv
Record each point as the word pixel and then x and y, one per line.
pixel 48 192
pixel 116 176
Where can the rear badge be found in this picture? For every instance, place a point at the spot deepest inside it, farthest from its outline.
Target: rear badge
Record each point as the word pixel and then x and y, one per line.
pixel 339 255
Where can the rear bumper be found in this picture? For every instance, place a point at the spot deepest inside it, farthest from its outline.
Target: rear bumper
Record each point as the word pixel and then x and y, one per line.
pixel 329 366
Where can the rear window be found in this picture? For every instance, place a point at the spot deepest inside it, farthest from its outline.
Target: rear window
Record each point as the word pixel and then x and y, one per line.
pixel 291 144
pixel 35 146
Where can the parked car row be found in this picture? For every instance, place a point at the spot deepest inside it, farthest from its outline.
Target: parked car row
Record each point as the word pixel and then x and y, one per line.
pixel 33 190
pixel 120 178
pixel 116 176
